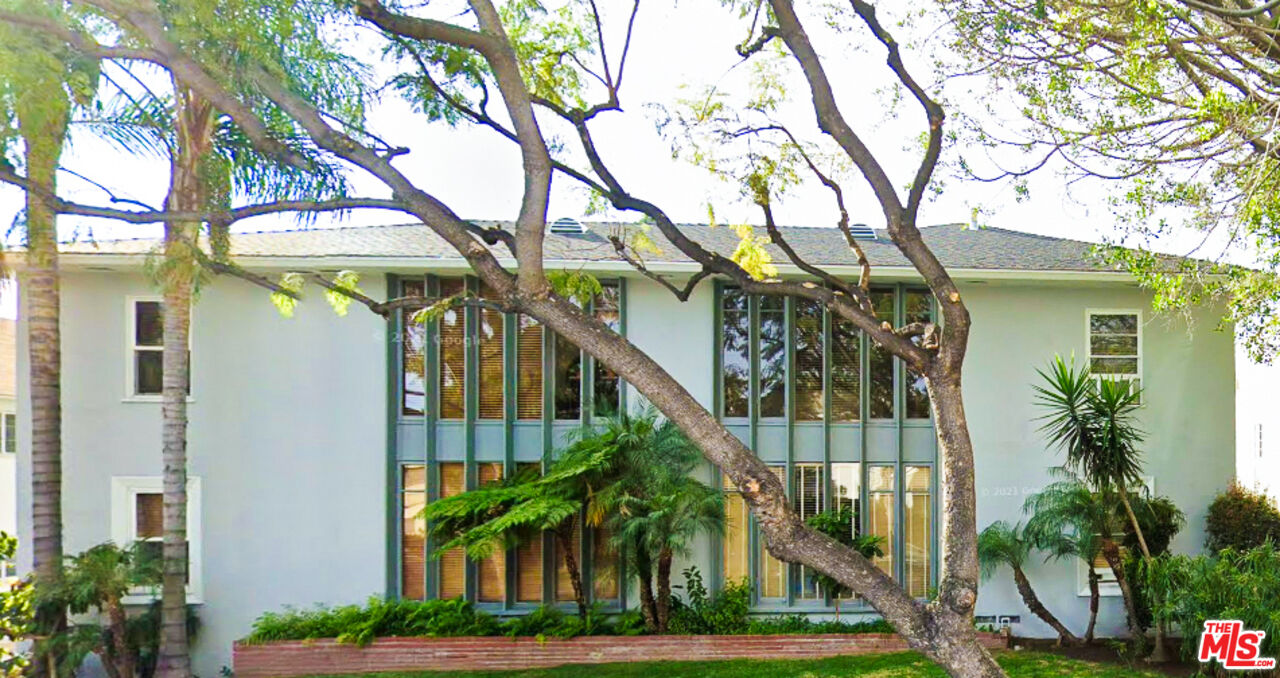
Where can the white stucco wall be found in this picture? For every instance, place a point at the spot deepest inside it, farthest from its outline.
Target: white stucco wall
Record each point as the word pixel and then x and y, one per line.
pixel 1258 425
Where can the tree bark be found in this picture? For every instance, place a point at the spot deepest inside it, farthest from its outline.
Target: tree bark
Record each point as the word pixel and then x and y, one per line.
pixel 664 589
pixel 1111 552
pixel 122 664
pixel 1094 598
pixel 1037 608
pixel 648 606
pixel 188 192
pixel 571 564
pixel 43 115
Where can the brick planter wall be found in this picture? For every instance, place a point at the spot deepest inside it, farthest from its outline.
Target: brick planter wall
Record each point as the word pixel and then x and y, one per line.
pixel 317 657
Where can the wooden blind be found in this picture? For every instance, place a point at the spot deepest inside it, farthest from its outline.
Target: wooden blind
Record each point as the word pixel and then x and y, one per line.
pixel 773 572
pixel 453 361
pixel 737 535
pixel 808 361
pixel 880 484
pixel 604 565
pixel 529 560
pixel 529 366
pixel 846 372
pixel 413 533
pixel 564 585
pixel 149 514
pixel 917 530
pixel 453 564
pixel 491 355
pixel 491 584
pixel 412 341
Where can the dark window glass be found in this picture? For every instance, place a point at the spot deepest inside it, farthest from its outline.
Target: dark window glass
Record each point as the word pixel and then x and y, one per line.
pixel 568 379
pixel 808 338
pixel 491 369
pixel 148 372
pixel 881 362
pixel 452 354
pixel 605 386
pixel 846 371
pixel 413 337
pixel 10 433
pixel 148 324
pixel 148 348
pixel 917 311
pixel 735 353
pixel 773 357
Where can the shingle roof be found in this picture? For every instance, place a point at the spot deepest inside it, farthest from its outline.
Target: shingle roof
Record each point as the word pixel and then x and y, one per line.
pixel 956 246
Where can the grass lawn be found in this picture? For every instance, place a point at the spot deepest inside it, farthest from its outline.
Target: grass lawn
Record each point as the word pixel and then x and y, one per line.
pixel 904 664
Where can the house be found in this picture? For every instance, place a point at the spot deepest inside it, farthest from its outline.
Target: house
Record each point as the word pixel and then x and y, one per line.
pixel 315 439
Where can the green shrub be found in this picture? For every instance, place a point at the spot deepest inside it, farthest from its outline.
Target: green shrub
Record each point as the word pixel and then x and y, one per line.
pixel 699 614
pixel 1241 519
pixel 378 618
pixel 553 622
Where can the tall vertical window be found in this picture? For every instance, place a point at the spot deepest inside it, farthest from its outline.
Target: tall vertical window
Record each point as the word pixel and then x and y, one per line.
pixel 452 563
pixel 735 354
pixel 146 348
pixel 568 379
pixel 529 557
pixel 846 484
pixel 808 501
pixel 1115 346
pixel 10 433
pixel 453 354
pixel 773 572
pixel 737 535
pixel 846 371
pixel 413 532
pixel 528 368
pixel 918 310
pixel 564 583
pixel 917 529
pixel 880 362
pixel 773 357
pixel 808 361
pixel 605 384
pixel 880 494
pixel 491 351
pixel 413 337
pixel 491 573
pixel 604 565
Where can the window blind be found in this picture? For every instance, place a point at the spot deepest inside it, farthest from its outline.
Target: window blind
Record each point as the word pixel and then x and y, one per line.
pixel 413 533
pixel 529 369
pixel 452 583
pixel 491 360
pixel 491 573
pixel 452 354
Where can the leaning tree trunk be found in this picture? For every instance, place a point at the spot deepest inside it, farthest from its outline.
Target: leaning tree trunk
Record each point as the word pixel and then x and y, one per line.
pixel 1111 552
pixel 1037 608
pixel 1159 653
pixel 121 662
pixel 664 588
pixel 1093 604
pixel 188 192
pixel 644 574
pixel 43 114
pixel 563 538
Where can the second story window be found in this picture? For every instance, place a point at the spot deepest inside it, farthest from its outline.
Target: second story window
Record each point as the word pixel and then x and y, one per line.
pixel 453 354
pixel 147 331
pixel 1115 345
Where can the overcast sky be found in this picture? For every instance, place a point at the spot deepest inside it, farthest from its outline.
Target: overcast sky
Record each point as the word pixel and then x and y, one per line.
pixel 675 50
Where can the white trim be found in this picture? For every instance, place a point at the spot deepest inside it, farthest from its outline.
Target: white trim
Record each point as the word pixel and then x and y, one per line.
pixel 131 348
pixel 124 528
pixel 1088 339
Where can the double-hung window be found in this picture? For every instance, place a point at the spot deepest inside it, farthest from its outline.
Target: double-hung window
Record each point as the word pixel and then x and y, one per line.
pixel 145 365
pixel 137 517
pixel 1115 345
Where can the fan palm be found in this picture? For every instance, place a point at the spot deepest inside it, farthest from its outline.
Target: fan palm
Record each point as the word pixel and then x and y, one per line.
pixel 1004 544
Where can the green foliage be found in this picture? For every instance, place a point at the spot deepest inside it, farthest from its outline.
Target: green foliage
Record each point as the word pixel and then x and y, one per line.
pixel 1002 544
pixel 839 525
pixel 1241 519
pixel 378 618
pixel 1092 421
pixel 700 614
pixel 293 282
pixel 16 614
pixel 1160 519
pixel 553 622
pixel 579 286
pixel 344 281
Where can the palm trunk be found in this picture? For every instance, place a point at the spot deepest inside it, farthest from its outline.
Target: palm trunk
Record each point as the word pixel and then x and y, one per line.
pixel 43 114
pixel 1093 604
pixel 648 606
pixel 664 589
pixel 122 663
pixel 188 192
pixel 1111 552
pixel 1037 608
pixel 571 564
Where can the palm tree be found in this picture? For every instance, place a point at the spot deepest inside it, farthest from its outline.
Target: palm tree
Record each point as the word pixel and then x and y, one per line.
pixel 840 524
pixel 1004 544
pixel 1066 530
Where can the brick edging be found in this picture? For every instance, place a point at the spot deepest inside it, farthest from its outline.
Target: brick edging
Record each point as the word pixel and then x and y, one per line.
pixel 327 656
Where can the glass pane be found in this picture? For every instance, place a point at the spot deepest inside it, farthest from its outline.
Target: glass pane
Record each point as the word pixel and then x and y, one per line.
pixel 846 372
pixel 881 363
pixel 1114 365
pixel 845 484
pixel 491 360
pixel 568 380
pixel 452 563
pixel 10 433
pixel 773 572
pixel 452 354
pixel 148 372
pixel 1120 323
pixel 917 525
pixel 529 557
pixel 808 502
pixel 605 386
pixel 737 537
pixel 735 354
pixel 529 365
pixel 413 338
pixel 564 584
pixel 1113 344
pixel 880 479
pixel 773 357
pixel 880 484
pixel 918 309
pixel 149 515
pixel 491 573
pixel 604 562
pixel 808 347
pixel 413 533
pixel 148 324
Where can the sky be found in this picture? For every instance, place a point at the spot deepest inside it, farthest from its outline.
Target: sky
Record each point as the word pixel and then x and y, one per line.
pixel 675 52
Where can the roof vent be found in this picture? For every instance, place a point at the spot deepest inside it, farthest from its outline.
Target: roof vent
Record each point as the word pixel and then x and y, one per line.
pixel 567 226
pixel 862 232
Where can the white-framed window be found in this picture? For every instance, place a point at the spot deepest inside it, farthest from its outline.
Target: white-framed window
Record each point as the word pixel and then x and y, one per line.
pixel 1114 341
pixel 1107 585
pixel 9 433
pixel 137 510
pixel 144 365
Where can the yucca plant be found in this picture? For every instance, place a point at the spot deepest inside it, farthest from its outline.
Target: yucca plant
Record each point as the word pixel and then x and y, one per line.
pixel 1004 544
